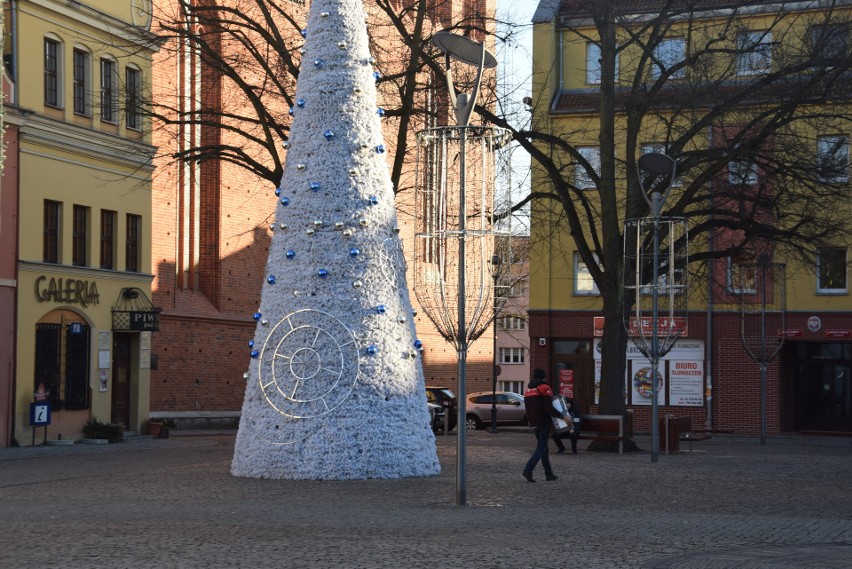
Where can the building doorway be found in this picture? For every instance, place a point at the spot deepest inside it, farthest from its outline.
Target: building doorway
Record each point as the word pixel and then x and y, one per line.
pixel 121 379
pixel 573 362
pixel 823 399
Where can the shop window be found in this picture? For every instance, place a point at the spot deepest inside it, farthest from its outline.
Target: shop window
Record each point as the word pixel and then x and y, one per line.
pixel 511 355
pixel 82 82
pixel 754 52
pixel 62 364
pixel 831 270
pixel 80 236
pixel 133 242
pixel 52 217
pixel 107 239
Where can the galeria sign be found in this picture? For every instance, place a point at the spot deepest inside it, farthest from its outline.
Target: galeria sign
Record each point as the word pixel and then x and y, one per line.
pixel 70 291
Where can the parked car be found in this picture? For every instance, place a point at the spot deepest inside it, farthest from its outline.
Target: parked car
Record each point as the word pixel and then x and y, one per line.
pixel 510 409
pixel 444 398
pixel 436 414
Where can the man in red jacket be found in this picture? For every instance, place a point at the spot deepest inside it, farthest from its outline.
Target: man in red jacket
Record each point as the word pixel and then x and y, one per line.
pixel 538 400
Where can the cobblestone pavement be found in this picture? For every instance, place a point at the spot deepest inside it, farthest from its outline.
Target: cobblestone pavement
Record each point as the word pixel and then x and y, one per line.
pixel 172 503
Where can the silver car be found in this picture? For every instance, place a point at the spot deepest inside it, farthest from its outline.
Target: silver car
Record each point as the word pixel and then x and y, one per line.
pixel 510 409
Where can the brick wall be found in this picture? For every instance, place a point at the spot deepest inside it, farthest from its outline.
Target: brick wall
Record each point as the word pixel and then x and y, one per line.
pixel 736 377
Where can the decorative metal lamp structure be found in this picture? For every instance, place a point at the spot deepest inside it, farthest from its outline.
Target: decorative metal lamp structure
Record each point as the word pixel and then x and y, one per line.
pixel 762 294
pixel 454 239
pixel 655 273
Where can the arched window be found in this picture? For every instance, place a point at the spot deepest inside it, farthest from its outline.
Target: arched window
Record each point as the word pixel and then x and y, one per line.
pixel 82 81
pixel 62 342
pixel 132 97
pixel 53 92
pixel 109 90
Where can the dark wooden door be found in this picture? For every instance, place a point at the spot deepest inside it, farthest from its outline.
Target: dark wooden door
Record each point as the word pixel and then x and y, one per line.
pixel 121 379
pixel 582 370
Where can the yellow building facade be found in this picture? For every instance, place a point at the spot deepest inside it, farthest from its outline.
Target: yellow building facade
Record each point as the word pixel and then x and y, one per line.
pixel 808 384
pixel 84 321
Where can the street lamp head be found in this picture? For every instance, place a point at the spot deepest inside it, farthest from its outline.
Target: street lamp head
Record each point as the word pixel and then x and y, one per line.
pixel 656 163
pixel 464 49
pixel 651 169
pixel 467 51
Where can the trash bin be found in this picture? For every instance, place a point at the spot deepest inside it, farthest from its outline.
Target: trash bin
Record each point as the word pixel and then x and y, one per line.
pixel 669 434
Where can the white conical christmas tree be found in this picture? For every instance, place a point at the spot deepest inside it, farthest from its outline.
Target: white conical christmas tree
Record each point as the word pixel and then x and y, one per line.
pixel 335 385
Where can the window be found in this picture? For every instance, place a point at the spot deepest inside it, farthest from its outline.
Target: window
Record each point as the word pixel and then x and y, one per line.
pixel 107 239
pixel 82 74
pixel 831 270
pixel 52 216
pixel 830 43
pixel 667 54
pixel 584 285
pixel 80 236
pixel 131 98
pixel 742 275
pixel 754 52
pixel 593 64
pixel 51 72
pixel 62 363
pixel 833 159
pixel 582 178
pixel 108 92
pixel 512 386
pixel 134 240
pixel 511 323
pixel 742 172
pixel 511 355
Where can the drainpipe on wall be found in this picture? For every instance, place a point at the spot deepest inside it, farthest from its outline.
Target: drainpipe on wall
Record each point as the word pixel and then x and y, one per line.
pixel 708 345
pixel 13 9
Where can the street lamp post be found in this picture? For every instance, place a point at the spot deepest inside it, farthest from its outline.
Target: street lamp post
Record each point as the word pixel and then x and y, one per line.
pixel 469 322
pixel 495 265
pixel 655 165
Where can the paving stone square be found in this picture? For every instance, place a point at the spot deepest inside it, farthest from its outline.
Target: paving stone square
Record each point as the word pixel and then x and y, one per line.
pixel 172 503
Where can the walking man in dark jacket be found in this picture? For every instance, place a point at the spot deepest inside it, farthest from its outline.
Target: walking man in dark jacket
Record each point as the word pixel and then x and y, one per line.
pixel 538 401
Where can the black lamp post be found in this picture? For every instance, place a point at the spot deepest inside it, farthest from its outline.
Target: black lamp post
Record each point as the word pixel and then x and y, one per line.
pixel 495 265
pixel 655 165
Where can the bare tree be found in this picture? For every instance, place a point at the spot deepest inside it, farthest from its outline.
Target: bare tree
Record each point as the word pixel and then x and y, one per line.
pixel 739 110
pixel 719 120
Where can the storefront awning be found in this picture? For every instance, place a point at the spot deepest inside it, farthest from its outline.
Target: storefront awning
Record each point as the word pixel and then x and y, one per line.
pixel 134 312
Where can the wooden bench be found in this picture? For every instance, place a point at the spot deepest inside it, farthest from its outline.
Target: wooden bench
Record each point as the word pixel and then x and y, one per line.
pixel 608 427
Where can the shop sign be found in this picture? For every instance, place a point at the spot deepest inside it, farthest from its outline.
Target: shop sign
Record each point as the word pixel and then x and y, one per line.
pixel 145 321
pixel 70 291
pixel 566 383
pixel 790 333
pixel 645 326
pixel 838 333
